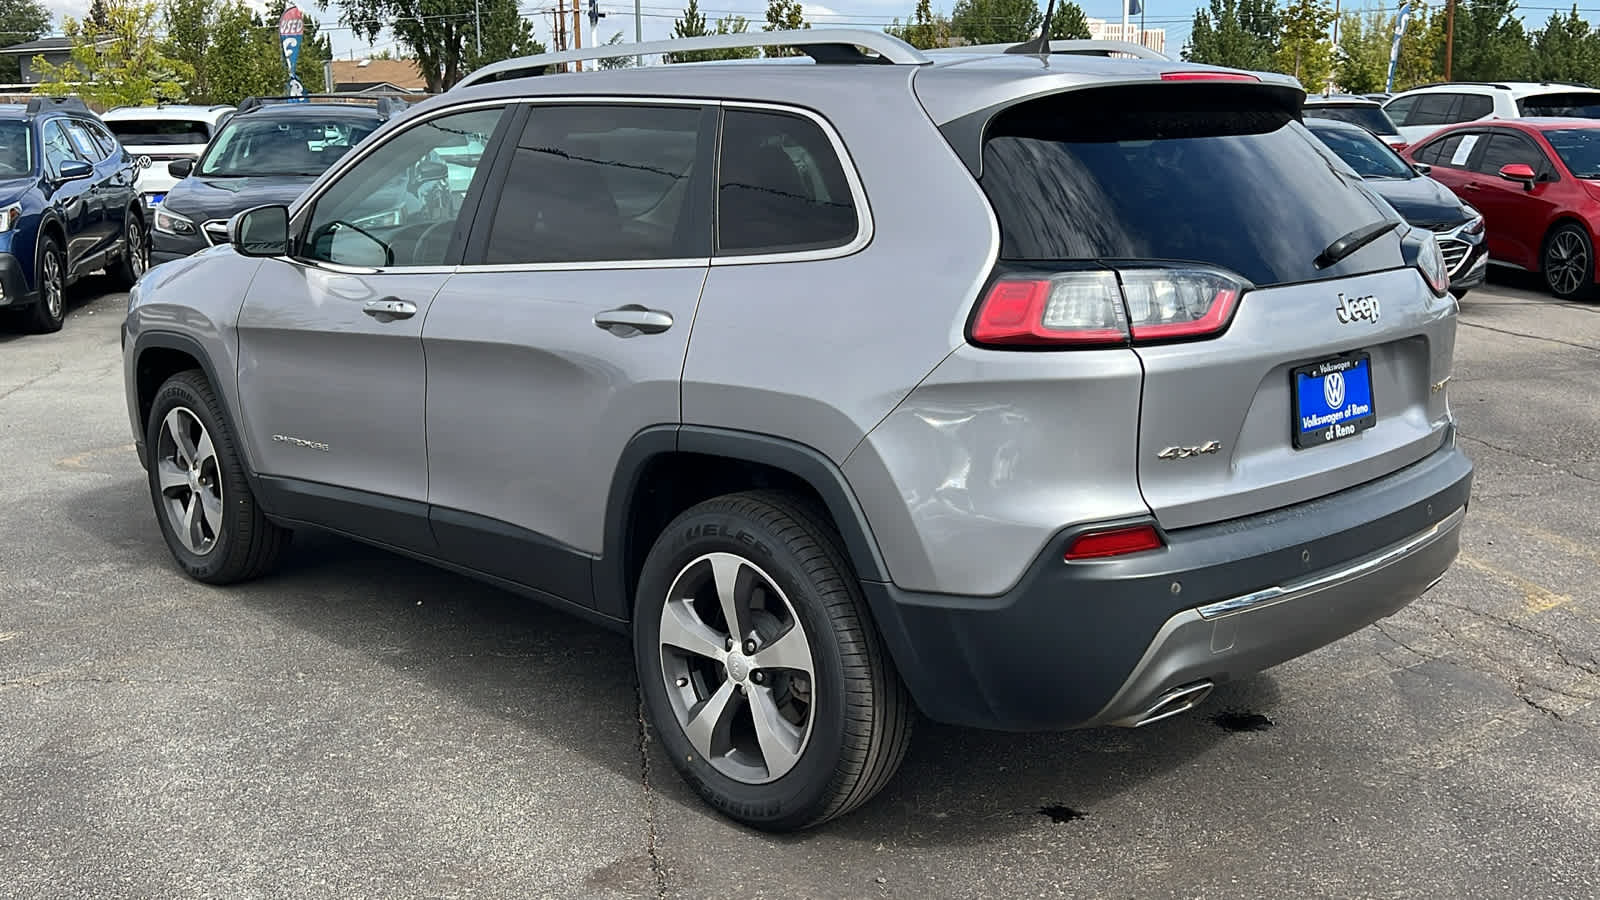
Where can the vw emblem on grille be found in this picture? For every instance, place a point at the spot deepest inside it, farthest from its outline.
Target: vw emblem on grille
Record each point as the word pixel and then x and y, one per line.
pixel 1333 390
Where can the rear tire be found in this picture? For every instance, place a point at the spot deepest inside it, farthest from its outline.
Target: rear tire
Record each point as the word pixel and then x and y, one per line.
pixel 48 313
pixel 210 519
pixel 135 256
pixel 1567 262
pixel 805 658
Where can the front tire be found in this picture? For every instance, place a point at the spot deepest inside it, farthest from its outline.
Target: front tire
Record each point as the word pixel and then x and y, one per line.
pixel 211 521
pixel 795 714
pixel 50 311
pixel 1568 262
pixel 135 257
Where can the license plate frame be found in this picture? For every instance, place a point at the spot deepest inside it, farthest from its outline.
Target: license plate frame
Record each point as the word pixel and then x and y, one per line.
pixel 154 200
pixel 1331 424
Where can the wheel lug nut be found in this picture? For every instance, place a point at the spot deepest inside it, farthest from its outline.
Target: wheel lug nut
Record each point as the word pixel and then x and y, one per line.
pixel 741 688
pixel 758 677
pixel 749 646
pixel 730 644
pixel 683 682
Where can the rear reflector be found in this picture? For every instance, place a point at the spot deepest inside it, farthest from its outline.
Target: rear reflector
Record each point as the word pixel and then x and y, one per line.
pixel 1113 542
pixel 1202 75
pixel 1102 307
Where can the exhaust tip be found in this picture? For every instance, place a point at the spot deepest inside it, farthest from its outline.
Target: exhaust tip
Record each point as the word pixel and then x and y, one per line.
pixel 1174 702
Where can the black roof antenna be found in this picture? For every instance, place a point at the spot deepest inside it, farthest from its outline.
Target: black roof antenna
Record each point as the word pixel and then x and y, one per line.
pixel 1040 44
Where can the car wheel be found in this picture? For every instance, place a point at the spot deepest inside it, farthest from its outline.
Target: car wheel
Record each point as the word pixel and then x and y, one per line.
pixel 760 668
pixel 136 258
pixel 51 309
pixel 1569 262
pixel 208 515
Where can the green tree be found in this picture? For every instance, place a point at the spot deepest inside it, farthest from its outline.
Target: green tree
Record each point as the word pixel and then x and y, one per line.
pixel 441 34
pixel 784 15
pixel 693 24
pixel 995 21
pixel 1566 49
pixel 1491 44
pixel 129 70
pixel 1242 34
pixel 1304 48
pixel 100 15
pixel 925 30
pixel 20 21
pixel 617 62
pixel 1361 61
pixel 1069 23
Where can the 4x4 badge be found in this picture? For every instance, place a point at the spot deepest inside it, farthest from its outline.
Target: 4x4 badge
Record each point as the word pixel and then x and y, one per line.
pixel 1186 452
pixel 1352 308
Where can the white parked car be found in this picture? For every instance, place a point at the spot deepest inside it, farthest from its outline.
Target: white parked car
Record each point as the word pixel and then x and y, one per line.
pixel 1421 111
pixel 157 135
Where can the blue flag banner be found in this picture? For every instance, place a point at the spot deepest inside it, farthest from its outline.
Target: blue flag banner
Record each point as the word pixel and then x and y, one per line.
pixel 1135 7
pixel 1399 32
pixel 291 29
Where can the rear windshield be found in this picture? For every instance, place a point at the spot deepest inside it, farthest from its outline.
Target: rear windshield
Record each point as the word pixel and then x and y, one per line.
pixel 152 133
pixel 1223 175
pixel 1372 118
pixel 1578 104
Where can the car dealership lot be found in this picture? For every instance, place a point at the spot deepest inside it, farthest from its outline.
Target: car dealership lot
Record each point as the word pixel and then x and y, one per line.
pixel 361 725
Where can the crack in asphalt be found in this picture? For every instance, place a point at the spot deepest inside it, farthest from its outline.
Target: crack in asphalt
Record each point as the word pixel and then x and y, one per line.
pixel 1529 457
pixel 657 869
pixel 1531 337
pixel 32 381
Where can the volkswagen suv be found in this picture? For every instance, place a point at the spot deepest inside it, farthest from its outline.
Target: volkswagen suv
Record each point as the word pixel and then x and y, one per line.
pixel 1021 391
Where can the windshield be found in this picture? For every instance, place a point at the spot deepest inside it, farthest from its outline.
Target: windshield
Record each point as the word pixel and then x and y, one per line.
pixel 1222 175
pixel 16 150
pixel 159 132
pixel 282 145
pixel 1569 104
pixel 1579 149
pixel 1370 157
pixel 1372 118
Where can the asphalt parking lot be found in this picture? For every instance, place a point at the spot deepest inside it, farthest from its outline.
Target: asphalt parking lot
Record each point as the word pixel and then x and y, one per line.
pixel 360 725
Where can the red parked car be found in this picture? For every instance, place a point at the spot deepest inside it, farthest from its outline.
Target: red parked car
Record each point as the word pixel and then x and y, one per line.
pixel 1537 183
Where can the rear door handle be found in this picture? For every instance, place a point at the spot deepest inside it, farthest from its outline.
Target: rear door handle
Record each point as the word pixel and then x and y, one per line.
pixel 390 308
pixel 632 319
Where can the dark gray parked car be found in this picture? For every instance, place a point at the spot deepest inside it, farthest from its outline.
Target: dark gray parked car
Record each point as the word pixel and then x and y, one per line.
pixel 1026 393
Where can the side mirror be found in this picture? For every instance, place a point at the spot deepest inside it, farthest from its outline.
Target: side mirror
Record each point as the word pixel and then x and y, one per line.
pixel 263 231
pixel 180 168
pixel 1422 168
pixel 76 170
pixel 1519 172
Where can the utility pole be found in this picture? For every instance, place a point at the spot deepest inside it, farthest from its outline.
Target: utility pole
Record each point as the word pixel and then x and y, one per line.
pixel 1327 89
pixel 1449 36
pixel 577 33
pixel 638 30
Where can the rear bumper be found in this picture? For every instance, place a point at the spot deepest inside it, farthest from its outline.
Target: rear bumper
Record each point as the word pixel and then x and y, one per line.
pixel 1100 642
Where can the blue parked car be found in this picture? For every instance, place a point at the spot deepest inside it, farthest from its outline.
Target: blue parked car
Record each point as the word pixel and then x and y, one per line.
pixel 69 205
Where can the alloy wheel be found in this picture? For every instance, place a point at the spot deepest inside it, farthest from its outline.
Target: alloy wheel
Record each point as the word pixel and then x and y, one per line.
pixel 138 251
pixel 54 293
pixel 191 484
pixel 738 668
pixel 1566 262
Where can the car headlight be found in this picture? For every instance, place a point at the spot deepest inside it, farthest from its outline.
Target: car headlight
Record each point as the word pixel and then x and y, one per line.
pixel 1474 220
pixel 169 222
pixel 9 217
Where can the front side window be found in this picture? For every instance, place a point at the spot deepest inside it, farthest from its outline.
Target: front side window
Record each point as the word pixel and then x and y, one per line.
pixel 282 145
pixel 781 187
pixel 603 183
pixel 1400 109
pixel 57 149
pixel 1508 149
pixel 1433 109
pixel 399 205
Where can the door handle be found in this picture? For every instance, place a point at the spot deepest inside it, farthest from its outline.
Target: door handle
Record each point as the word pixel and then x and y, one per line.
pixel 632 319
pixel 390 308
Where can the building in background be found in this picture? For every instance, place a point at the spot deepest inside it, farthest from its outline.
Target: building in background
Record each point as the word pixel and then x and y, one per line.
pixel 55 50
pixel 1154 38
pixel 379 76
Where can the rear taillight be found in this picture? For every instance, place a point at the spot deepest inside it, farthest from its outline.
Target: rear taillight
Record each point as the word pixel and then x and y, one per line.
pixel 1204 75
pixel 1430 262
pixel 1102 307
pixel 1113 542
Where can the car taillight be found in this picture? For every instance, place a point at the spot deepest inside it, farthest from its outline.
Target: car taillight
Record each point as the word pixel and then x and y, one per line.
pixel 1204 75
pixel 1102 307
pixel 1113 542
pixel 1430 262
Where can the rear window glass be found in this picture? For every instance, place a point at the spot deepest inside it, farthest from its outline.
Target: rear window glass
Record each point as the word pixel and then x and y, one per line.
pixel 164 132
pixel 1212 174
pixel 1577 104
pixel 1370 157
pixel 780 187
pixel 1579 148
pixel 1372 118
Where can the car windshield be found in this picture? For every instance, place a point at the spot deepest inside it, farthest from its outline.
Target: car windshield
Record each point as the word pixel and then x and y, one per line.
pixel 159 132
pixel 16 150
pixel 282 145
pixel 1568 104
pixel 1372 118
pixel 1579 149
pixel 1370 157
pixel 1224 176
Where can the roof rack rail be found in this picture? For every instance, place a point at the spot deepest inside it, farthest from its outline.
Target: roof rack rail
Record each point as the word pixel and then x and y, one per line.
pixel 386 106
pixel 1434 84
pixel 823 45
pixel 1065 47
pixel 76 104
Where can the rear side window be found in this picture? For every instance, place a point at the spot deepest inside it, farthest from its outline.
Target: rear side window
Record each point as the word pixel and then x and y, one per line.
pixel 1472 107
pixel 603 183
pixel 88 150
pixel 1371 118
pixel 104 138
pixel 1216 174
pixel 1433 109
pixel 160 132
pixel 1440 152
pixel 780 187
pixel 1570 104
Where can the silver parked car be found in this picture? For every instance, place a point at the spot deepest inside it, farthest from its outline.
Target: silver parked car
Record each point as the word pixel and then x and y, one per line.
pixel 1024 391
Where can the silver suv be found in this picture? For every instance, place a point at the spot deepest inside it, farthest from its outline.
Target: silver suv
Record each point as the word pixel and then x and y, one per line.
pixel 1024 391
